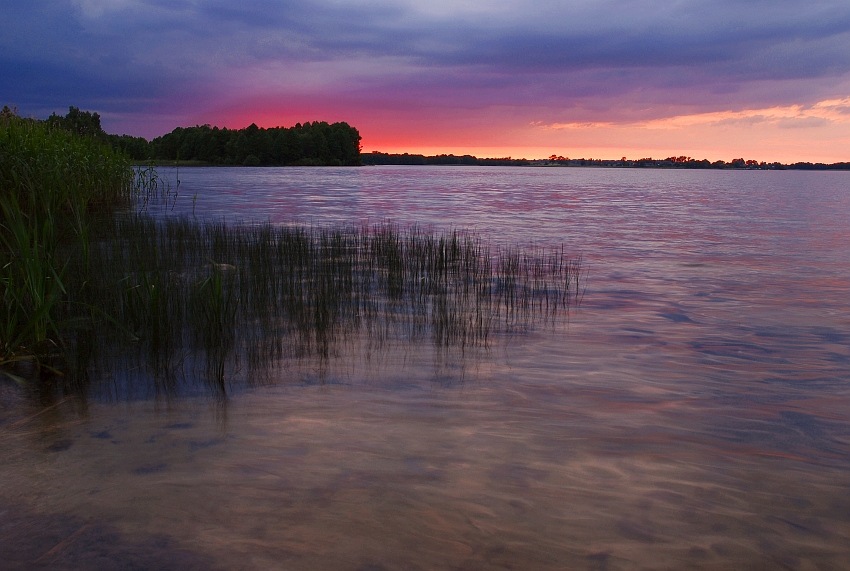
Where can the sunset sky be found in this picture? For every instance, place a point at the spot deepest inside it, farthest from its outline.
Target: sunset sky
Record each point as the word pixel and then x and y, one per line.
pixel 758 79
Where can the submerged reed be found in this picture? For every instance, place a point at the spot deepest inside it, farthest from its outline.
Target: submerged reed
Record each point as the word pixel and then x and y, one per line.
pixel 205 297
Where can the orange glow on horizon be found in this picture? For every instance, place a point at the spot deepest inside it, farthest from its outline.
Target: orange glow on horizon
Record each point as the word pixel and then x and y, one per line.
pixel 789 134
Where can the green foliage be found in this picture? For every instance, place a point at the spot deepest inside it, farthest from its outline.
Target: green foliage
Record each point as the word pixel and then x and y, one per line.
pixel 87 124
pixel 79 122
pixel 314 144
pixel 136 148
pixel 52 181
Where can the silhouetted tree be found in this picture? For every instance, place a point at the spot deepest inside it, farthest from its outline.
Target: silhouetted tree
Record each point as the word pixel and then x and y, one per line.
pixel 317 143
pixel 79 122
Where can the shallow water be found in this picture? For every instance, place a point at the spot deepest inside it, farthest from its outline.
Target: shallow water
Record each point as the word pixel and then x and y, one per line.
pixel 693 413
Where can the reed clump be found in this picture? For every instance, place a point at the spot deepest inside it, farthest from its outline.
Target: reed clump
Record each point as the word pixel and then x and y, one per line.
pixel 94 288
pixel 204 298
pixel 52 185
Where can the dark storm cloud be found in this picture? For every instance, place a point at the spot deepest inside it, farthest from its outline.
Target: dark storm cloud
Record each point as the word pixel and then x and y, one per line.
pixel 100 52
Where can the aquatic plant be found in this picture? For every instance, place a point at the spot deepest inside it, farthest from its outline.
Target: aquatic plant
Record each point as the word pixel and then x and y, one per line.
pixel 94 288
pixel 203 297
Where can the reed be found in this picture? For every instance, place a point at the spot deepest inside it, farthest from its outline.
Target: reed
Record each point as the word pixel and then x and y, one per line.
pixel 53 183
pixel 206 297
pixel 94 288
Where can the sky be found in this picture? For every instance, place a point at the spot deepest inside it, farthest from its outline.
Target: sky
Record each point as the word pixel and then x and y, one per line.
pixel 766 80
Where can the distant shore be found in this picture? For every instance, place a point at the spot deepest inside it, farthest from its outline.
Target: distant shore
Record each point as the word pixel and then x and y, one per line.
pixel 379 158
pixel 468 160
pixel 319 143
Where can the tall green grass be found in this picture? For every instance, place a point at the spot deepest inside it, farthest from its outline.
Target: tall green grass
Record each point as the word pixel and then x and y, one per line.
pixel 52 183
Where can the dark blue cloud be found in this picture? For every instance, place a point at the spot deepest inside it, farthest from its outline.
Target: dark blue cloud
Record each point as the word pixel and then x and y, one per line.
pixel 619 53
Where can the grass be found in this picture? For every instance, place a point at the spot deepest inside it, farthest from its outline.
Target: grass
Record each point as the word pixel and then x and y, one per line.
pixel 202 297
pixel 93 289
pixel 52 184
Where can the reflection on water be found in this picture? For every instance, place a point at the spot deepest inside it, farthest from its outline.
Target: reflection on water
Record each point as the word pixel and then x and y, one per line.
pixel 694 413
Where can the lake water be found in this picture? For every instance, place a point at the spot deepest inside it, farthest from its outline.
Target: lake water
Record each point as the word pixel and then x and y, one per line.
pixel 693 413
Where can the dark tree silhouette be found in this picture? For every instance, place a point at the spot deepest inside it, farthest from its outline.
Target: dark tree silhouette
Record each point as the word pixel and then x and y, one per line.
pixel 316 143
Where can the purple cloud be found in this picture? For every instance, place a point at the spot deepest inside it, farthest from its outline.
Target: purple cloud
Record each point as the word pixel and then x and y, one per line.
pixel 559 61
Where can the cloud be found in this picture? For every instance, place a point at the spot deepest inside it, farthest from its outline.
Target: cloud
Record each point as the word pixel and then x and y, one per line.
pixel 833 111
pixel 99 8
pixel 836 107
pixel 576 61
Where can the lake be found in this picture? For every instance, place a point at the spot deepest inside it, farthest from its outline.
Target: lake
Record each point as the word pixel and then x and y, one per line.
pixel 692 412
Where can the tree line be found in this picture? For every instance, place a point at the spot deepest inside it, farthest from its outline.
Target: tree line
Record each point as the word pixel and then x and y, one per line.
pixel 678 162
pixel 316 143
pixel 378 158
pixel 319 143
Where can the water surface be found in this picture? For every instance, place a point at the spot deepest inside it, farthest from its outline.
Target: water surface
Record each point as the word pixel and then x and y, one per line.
pixel 693 413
